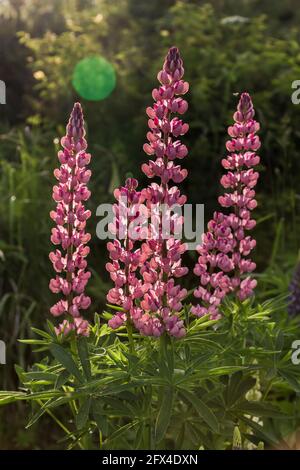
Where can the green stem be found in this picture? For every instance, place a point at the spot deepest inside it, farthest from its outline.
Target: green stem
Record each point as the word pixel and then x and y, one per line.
pixel 269 386
pixel 73 346
pixel 150 435
pixel 130 336
pixel 162 347
pixel 100 439
pixel 59 423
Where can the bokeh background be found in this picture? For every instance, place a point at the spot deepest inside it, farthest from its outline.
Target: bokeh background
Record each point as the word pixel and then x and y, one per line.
pixel 227 46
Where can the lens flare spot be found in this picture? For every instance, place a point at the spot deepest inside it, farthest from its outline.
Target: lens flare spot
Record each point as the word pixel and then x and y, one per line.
pixel 94 78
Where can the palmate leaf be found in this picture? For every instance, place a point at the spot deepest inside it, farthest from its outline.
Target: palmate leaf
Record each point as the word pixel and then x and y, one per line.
pixel 238 387
pixel 83 413
pixel 107 384
pixel 83 354
pixel 65 358
pixel 117 357
pixel 212 372
pixel 292 379
pixel 259 409
pixel 187 372
pixel 121 431
pixel 262 434
pixel 164 414
pixel 107 389
pixel 63 399
pixel 62 378
pixel 201 409
pixel 49 377
pixel 40 412
pixel 118 405
pixel 101 422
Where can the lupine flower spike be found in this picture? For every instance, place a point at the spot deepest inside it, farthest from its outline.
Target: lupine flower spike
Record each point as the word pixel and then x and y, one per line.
pixel 70 218
pixel 223 265
pixel 125 256
pixel 160 305
pixel 145 285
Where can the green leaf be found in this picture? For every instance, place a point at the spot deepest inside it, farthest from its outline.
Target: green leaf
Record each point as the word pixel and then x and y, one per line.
pixel 51 327
pixel 238 387
pixel 83 354
pixel 62 378
pixel 99 417
pixel 260 432
pixel 202 409
pixel 39 413
pixel 139 436
pixel 164 414
pixel 122 430
pixel 20 372
pixel 10 397
pixel 290 379
pixel 42 333
pixel 33 341
pixel 83 413
pixel 115 307
pixel 206 324
pixel 180 437
pixel 256 408
pixel 224 370
pixel 38 375
pixel 65 358
pixel 117 405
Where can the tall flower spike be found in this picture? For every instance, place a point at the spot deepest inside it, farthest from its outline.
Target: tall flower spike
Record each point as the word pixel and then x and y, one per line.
pixel 124 254
pixel 223 261
pixel 70 218
pixel 159 308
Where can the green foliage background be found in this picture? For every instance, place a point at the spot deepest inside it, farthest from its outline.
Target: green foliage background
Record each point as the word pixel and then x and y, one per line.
pixel 227 48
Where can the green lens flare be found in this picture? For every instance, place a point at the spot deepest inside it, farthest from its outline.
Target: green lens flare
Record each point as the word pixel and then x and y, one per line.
pixel 94 78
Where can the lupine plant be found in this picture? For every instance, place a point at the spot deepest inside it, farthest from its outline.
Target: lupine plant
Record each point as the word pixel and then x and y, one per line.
pixel 223 254
pixel 70 218
pixel 154 371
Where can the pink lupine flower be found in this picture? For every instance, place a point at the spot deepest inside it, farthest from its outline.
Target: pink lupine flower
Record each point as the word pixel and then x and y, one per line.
pixel 117 320
pixel 144 275
pixel 123 253
pixel 222 263
pixel 70 218
pixel 64 328
pixel 162 301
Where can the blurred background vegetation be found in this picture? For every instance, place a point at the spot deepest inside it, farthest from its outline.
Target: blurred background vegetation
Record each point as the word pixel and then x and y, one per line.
pixel 228 47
